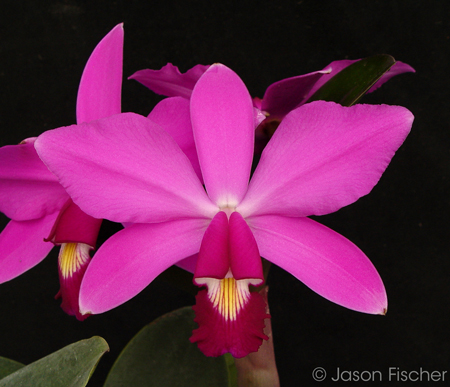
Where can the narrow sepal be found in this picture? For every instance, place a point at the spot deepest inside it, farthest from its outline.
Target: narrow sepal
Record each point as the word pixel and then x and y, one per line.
pixel 323 260
pixel 22 245
pixel 169 81
pixel 223 123
pixel 99 93
pixel 129 260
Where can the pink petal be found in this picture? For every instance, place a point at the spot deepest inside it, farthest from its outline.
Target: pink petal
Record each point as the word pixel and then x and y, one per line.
pixel 125 168
pixel 213 258
pixel 99 93
pixel 74 226
pixel 323 157
pixel 283 96
pixel 128 261
pixel 22 245
pixel 28 189
pixel 173 115
pixel 245 260
pixel 322 259
pixel 223 123
pixel 169 81
pixel 396 69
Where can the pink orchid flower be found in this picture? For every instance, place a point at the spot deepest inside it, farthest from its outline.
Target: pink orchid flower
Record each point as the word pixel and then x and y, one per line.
pixel 279 98
pixel 128 169
pixel 40 209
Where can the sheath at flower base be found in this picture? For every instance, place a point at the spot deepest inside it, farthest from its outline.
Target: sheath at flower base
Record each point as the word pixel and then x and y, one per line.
pixel 322 157
pixel 41 211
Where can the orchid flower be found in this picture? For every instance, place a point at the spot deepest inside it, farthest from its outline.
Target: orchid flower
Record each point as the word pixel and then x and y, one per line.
pixel 127 169
pixel 38 205
pixel 279 98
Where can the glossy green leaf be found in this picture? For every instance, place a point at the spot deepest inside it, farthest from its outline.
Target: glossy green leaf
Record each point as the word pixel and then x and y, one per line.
pixel 349 85
pixel 71 366
pixel 162 355
pixel 8 366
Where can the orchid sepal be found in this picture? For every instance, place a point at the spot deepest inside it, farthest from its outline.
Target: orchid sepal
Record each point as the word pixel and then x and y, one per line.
pixel 325 261
pixel 169 81
pixel 22 245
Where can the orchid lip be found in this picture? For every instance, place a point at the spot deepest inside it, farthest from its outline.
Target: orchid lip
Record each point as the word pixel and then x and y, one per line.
pixel 230 318
pixel 73 261
pixel 228 295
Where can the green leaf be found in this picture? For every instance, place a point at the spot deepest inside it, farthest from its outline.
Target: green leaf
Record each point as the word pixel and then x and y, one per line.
pixel 349 85
pixel 162 355
pixel 71 366
pixel 8 366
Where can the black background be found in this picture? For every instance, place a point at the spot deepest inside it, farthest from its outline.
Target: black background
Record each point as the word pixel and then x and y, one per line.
pixel 401 225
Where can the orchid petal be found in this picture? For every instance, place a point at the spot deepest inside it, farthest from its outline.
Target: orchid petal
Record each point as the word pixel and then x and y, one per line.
pixel 99 93
pixel 223 123
pixel 283 96
pixel 397 69
pixel 22 245
pixel 125 168
pixel 173 115
pixel 322 259
pixel 169 81
pixel 323 157
pixel 29 190
pixel 128 261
